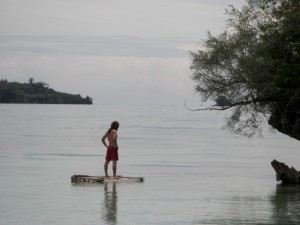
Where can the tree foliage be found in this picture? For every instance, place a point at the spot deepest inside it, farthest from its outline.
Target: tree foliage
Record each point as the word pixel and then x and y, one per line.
pixel 254 63
pixel 37 92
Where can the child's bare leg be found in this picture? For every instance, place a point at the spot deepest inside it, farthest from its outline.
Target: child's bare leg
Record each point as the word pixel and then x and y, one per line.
pixel 106 167
pixel 114 167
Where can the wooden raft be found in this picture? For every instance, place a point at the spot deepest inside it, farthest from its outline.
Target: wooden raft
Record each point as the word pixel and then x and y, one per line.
pixel 103 179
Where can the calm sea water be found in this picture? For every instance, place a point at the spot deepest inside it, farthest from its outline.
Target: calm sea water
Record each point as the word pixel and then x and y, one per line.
pixel 195 172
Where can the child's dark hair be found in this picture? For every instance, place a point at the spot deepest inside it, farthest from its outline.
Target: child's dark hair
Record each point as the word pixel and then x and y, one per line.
pixel 114 126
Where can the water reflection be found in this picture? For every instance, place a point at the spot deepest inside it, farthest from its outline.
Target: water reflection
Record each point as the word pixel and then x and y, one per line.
pixel 110 203
pixel 286 205
pixel 279 206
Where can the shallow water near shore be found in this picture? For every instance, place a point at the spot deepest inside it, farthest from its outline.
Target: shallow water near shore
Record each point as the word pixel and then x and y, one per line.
pixel 195 172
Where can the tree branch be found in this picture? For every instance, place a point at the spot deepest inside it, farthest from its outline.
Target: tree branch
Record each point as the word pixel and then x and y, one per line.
pixel 222 108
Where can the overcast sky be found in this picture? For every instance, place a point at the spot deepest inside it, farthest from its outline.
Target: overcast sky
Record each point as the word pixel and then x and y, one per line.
pixel 129 52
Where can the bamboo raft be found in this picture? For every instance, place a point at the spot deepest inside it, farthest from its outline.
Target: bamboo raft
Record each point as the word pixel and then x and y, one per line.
pixel 103 179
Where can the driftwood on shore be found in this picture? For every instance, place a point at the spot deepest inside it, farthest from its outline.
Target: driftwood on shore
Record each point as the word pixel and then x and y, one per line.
pixel 285 174
pixel 103 179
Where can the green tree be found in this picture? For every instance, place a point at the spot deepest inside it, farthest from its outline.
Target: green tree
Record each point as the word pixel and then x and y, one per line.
pixel 31 80
pixel 255 64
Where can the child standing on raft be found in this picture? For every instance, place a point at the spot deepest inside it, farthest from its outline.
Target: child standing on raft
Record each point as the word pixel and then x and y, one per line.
pixel 112 148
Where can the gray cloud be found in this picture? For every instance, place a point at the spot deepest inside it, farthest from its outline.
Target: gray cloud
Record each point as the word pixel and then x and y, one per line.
pixel 149 18
pixel 97 45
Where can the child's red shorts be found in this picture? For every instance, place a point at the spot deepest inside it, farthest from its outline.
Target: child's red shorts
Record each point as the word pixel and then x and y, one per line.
pixel 112 153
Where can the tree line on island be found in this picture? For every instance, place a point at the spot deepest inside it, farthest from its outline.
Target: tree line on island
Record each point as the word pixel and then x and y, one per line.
pixel 37 92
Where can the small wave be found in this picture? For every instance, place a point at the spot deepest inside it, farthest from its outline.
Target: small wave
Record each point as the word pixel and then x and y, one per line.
pixel 165 165
pixel 62 155
pixel 73 155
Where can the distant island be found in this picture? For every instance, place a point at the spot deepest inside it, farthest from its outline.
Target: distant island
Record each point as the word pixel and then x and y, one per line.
pixel 37 93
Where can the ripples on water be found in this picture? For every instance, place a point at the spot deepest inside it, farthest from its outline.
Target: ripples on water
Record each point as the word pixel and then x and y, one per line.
pixel 195 173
